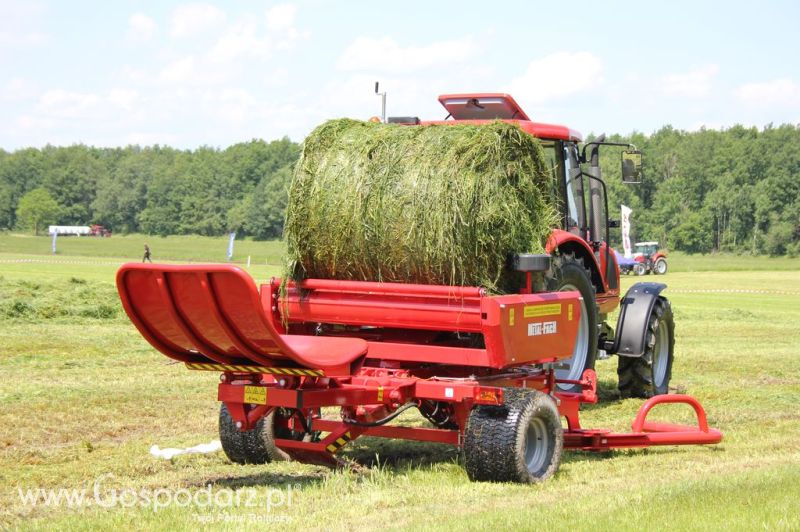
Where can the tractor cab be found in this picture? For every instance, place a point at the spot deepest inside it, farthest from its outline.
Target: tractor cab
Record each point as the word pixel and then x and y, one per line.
pixel 646 249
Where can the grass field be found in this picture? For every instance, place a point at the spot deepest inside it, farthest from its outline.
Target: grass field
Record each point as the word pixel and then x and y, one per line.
pixel 84 397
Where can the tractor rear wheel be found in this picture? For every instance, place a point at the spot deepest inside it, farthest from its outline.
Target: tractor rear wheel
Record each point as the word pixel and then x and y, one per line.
pixel 660 267
pixel 569 273
pixel 520 441
pixel 650 374
pixel 255 446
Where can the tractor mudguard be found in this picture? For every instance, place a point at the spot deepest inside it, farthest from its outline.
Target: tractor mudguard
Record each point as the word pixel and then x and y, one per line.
pixel 629 339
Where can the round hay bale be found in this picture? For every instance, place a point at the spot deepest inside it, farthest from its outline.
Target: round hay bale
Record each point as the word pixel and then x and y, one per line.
pixel 422 204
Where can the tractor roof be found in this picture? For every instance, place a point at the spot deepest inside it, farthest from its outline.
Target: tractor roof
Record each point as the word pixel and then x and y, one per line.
pixel 476 108
pixel 646 244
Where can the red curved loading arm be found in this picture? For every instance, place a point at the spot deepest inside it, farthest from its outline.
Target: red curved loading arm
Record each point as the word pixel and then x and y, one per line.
pixel 213 312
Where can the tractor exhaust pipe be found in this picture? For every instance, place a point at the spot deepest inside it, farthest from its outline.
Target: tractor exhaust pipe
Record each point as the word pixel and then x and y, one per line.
pixel 383 101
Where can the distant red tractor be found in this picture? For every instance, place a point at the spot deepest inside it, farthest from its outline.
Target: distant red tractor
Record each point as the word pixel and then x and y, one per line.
pixel 649 257
pixel 99 230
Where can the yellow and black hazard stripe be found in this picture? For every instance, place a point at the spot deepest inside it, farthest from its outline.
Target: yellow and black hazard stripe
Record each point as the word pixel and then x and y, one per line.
pixel 300 372
pixel 340 442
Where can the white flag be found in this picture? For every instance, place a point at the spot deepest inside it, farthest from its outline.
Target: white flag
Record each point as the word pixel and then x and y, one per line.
pixel 626 230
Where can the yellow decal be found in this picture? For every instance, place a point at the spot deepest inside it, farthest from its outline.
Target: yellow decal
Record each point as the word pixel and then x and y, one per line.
pixel 537 311
pixel 569 312
pixel 511 317
pixel 255 395
pixel 380 394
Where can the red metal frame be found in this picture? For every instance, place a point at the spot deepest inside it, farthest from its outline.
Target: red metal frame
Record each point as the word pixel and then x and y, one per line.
pixel 212 317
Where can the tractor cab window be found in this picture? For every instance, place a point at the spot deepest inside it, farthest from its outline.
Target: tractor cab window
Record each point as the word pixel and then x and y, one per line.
pixel 574 192
pixel 646 249
pixel 553 164
pixel 560 158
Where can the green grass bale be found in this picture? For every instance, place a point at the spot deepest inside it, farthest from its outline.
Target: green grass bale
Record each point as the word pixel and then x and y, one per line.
pixel 432 204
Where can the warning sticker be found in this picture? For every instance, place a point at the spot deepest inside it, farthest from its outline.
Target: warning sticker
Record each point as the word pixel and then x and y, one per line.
pixel 255 395
pixel 538 311
pixel 538 329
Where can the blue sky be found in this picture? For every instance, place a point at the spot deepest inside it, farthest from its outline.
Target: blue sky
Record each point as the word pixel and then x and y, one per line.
pixel 215 73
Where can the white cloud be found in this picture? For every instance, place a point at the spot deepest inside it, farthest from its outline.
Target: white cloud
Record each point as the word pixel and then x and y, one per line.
pixel 558 76
pixel 141 27
pixel 179 71
pixel 776 93
pixel 62 105
pixel 240 40
pixel 193 70
pixel 17 89
pixel 19 25
pixel 386 55
pixel 59 103
pixel 234 106
pixel 281 17
pixel 696 83
pixel 194 19
pixel 279 77
pixel 123 98
pixel 34 123
pixel 251 39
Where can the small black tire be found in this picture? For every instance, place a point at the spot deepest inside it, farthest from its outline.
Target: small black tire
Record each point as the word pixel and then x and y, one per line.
pixel 569 273
pixel 650 374
pixel 255 446
pixel 660 267
pixel 520 441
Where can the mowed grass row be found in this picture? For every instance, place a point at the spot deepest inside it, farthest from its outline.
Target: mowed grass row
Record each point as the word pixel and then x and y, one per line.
pixel 125 248
pixel 86 396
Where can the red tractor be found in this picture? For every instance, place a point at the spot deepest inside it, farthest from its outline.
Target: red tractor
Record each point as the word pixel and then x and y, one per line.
pixel 99 230
pixel 649 258
pixel 494 375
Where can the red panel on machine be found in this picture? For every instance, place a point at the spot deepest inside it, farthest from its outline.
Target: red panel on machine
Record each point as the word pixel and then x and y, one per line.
pixel 530 328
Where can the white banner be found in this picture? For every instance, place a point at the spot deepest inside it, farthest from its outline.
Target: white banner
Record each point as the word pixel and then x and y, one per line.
pixel 626 231
pixel 230 244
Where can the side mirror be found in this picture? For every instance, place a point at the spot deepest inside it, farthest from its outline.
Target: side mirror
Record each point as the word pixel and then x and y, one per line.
pixel 631 166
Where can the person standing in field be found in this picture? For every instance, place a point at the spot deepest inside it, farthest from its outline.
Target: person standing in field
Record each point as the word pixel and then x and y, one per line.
pixel 146 254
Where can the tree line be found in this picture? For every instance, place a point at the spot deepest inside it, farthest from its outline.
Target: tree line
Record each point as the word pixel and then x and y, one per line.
pixel 154 190
pixel 733 190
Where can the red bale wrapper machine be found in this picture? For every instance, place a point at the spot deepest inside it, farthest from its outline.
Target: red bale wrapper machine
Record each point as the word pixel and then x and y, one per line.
pixel 487 371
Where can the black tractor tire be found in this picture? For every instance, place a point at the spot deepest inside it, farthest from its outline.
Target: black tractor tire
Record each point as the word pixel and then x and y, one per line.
pixel 639 269
pixel 569 273
pixel 650 374
pixel 660 267
pixel 521 441
pixel 255 446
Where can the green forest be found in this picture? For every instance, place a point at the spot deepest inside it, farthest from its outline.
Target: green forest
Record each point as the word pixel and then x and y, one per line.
pixel 736 190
